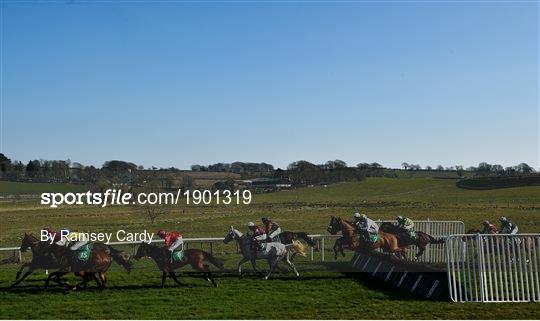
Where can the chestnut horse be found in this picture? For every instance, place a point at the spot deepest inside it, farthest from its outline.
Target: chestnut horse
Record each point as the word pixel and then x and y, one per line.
pixel 351 240
pixel 422 239
pixel 162 257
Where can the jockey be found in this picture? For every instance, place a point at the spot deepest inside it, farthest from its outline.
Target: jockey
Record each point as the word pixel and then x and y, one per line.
pixel 80 239
pixel 173 240
pixel 271 229
pixel 507 227
pixel 407 224
pixel 367 227
pixel 489 228
pixel 55 236
pixel 259 235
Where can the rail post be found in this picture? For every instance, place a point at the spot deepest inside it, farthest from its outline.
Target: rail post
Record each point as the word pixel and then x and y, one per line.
pixel 480 256
pixel 322 248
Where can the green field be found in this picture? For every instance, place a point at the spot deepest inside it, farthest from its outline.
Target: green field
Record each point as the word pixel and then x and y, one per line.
pixel 17 188
pixel 319 293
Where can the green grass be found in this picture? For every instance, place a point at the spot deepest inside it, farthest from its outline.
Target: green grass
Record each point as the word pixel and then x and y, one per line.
pixel 318 294
pixel 17 188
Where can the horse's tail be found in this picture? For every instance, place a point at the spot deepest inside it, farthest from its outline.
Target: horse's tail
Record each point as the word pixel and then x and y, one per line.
pixel 303 235
pixel 297 247
pixel 219 263
pixel 119 258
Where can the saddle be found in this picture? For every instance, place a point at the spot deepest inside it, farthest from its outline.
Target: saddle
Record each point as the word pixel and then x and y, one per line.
pixel 83 253
pixel 177 256
pixel 371 238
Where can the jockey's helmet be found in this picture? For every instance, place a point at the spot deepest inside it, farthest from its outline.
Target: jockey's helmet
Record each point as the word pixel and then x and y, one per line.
pixel 357 215
pixel 251 224
pixel 503 219
pixel 363 217
pixel 65 229
pixel 486 222
pixel 265 220
pixel 400 218
pixel 161 233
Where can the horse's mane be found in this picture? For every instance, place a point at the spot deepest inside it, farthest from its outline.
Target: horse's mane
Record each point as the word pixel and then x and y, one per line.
pixel 31 236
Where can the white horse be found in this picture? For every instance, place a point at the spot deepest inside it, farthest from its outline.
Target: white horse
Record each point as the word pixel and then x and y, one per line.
pixel 273 252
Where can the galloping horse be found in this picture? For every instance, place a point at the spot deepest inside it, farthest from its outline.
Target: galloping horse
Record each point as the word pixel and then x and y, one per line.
pixel 162 257
pixel 422 239
pixel 101 258
pixel 42 258
pixel 350 240
pixel 273 252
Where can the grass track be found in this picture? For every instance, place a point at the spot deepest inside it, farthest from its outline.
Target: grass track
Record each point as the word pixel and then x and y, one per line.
pixel 319 294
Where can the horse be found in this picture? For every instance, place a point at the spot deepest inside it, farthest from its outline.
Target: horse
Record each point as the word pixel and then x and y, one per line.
pixel 273 252
pixel 421 241
pixel 386 242
pixel 101 258
pixel 195 257
pixel 42 258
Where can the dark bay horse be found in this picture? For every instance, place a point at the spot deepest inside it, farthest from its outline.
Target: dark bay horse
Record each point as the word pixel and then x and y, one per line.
pixel 162 257
pixel 43 258
pixel 350 239
pixel 422 239
pixel 101 258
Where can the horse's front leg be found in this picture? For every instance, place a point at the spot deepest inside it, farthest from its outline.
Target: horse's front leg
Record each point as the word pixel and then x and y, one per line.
pixel 19 272
pixel 336 249
pixel 25 275
pixel 242 261
pixel 163 278
pixel 254 265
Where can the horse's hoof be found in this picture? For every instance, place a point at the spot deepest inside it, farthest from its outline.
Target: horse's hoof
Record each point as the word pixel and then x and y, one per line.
pixel 266 277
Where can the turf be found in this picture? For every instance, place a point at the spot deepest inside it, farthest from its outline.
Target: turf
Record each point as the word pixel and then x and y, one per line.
pixel 319 293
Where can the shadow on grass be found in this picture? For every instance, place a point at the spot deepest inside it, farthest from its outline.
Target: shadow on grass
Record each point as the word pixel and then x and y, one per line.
pixel 340 270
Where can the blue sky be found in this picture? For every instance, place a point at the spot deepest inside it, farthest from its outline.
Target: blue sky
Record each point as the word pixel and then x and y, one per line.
pixel 181 83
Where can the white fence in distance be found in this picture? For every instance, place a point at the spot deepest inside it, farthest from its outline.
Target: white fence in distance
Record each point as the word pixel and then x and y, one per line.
pixel 494 268
pixel 210 242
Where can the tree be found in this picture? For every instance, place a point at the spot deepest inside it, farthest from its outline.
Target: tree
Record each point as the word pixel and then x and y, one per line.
pixel 302 165
pixel 4 163
pixel 33 167
pixel 405 165
pixel 376 165
pixel 524 168
pixel 335 164
pixel 152 211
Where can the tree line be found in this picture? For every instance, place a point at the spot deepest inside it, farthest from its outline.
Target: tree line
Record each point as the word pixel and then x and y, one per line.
pixel 298 172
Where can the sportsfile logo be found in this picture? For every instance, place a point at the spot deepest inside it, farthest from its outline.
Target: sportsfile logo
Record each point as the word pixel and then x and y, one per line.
pixel 118 197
